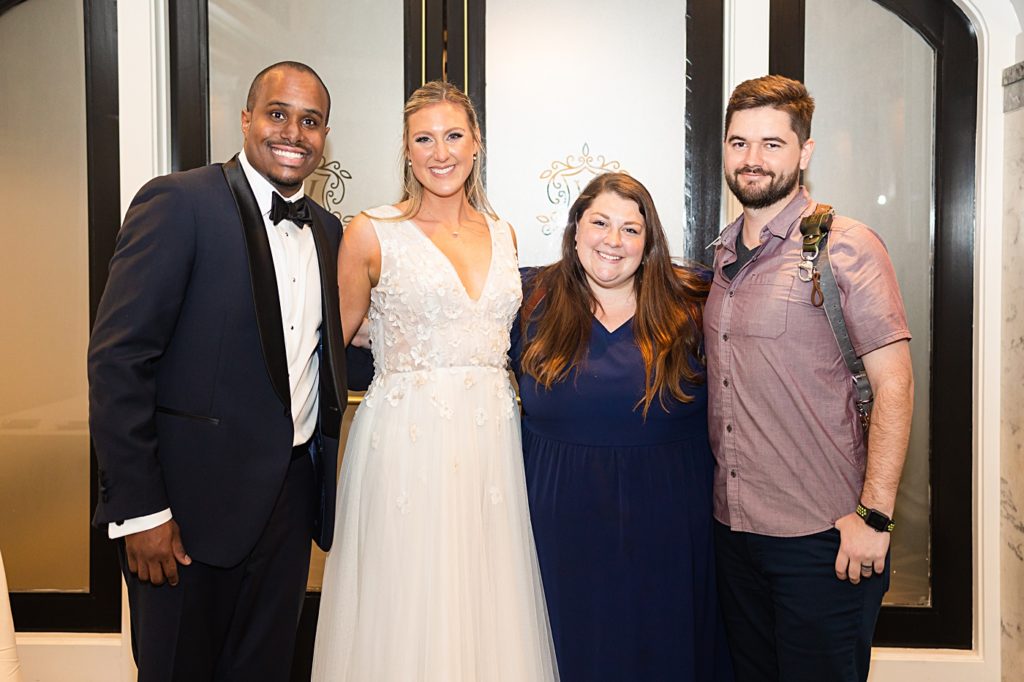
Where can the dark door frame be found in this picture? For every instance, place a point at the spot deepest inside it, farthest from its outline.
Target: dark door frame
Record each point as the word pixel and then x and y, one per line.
pixel 948 622
pixel 705 43
pixel 99 609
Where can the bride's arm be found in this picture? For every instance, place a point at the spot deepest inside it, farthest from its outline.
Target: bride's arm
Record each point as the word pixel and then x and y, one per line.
pixel 358 272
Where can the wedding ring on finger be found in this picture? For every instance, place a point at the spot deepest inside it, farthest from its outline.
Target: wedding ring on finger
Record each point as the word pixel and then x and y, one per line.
pixel 867 569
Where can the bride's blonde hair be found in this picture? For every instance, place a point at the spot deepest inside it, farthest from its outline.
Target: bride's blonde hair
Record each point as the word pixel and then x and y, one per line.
pixel 427 94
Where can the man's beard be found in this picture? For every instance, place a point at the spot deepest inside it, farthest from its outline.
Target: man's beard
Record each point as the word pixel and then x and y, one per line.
pixel 289 183
pixel 753 196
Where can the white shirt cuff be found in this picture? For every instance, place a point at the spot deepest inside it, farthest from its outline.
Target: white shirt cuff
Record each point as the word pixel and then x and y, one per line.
pixel 140 523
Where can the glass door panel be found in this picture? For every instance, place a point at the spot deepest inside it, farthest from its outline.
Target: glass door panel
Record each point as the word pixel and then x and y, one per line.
pixel 44 436
pixel 874 161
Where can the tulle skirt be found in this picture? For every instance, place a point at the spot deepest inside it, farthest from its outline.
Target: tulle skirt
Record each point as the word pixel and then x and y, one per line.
pixel 433 575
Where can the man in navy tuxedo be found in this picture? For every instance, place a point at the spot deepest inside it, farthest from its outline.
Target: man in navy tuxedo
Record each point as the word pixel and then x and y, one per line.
pixel 216 374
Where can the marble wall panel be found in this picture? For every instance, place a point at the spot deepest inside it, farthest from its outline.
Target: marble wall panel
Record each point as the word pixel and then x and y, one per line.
pixel 1012 418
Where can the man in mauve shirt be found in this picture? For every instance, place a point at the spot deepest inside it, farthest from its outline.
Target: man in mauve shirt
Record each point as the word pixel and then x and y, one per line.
pixel 803 498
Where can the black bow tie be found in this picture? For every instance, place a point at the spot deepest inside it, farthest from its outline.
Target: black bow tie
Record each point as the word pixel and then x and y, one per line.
pixel 295 211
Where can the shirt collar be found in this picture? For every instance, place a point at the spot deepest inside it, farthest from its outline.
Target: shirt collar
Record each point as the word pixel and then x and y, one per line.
pixel 261 187
pixel 780 226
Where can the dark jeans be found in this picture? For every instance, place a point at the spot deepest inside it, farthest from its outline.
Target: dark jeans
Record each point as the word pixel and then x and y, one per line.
pixel 787 616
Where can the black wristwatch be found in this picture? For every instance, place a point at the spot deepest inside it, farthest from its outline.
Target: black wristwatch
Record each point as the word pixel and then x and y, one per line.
pixel 876 519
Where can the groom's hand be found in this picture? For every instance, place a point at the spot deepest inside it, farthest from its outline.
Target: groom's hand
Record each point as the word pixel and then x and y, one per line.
pixel 154 554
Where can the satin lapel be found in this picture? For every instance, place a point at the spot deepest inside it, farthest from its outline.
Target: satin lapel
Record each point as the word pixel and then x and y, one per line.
pixel 330 328
pixel 263 278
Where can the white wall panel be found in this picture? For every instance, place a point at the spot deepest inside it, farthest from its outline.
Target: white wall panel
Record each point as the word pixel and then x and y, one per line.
pixel 575 88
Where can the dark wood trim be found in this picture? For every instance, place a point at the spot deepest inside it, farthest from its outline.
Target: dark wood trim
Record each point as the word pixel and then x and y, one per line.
pixel 705 21
pixel 102 142
pixel 189 51
pixel 435 53
pixel 476 42
pixel 413 28
pixel 424 22
pixel 455 43
pixel 786 38
pixel 466 46
pixel 99 610
pixel 8 4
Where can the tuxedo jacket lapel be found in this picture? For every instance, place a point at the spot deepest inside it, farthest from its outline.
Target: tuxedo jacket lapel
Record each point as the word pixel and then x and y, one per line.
pixel 333 384
pixel 263 278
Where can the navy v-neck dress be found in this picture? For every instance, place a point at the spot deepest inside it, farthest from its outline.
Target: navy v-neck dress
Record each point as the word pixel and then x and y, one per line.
pixel 621 512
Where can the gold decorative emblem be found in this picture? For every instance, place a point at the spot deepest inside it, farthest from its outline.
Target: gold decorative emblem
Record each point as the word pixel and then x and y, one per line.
pixel 326 185
pixel 565 180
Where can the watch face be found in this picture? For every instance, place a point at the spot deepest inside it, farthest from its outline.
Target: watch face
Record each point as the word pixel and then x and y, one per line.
pixel 876 520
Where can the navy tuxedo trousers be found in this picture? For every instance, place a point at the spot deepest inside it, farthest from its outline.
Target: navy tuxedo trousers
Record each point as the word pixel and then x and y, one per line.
pixel 230 624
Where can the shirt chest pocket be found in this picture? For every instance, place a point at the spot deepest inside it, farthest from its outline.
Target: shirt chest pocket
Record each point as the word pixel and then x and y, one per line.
pixel 762 305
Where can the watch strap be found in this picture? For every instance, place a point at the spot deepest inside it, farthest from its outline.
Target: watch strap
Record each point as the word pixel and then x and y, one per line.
pixel 875 519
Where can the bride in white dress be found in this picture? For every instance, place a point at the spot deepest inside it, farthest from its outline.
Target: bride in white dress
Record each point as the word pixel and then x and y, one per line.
pixel 434 576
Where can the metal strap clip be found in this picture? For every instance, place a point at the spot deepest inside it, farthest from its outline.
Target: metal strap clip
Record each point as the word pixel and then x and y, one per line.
pixel 814 229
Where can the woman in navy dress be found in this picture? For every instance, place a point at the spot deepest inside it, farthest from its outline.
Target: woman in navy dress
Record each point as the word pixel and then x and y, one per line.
pixel 607 349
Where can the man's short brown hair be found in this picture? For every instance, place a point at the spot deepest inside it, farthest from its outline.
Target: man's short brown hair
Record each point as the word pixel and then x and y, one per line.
pixel 778 92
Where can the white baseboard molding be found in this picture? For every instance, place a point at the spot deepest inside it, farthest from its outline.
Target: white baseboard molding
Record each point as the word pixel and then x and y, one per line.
pixel 933 665
pixel 73 657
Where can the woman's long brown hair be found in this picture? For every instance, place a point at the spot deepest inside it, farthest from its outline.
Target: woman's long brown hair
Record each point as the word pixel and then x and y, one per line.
pixel 669 305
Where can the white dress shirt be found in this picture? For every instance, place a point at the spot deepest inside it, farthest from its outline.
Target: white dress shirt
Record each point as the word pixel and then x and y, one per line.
pixel 298 290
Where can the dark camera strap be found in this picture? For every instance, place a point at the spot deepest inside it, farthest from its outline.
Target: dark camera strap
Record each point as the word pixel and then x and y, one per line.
pixel 816 268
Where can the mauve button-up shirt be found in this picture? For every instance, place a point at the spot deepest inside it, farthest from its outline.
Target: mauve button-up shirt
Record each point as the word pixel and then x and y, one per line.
pixel 788 444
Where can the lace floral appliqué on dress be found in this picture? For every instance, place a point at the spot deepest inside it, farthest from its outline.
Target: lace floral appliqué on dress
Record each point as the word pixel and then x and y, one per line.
pixel 434 576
